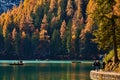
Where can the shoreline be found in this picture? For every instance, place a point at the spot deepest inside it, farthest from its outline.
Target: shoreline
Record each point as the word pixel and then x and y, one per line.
pixel 103 75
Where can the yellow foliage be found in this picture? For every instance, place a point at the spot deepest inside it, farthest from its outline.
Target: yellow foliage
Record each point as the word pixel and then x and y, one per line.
pixel 59 12
pixel 23 35
pixel 73 37
pixel 6 23
pixel 78 4
pixel 59 1
pixel 26 2
pixel 117 8
pixel 14 33
pixel 69 8
pixel 74 27
pixel 63 29
pixel 52 5
pixel 39 2
pixel 90 10
pixel 43 35
pixel 91 6
pixel 44 20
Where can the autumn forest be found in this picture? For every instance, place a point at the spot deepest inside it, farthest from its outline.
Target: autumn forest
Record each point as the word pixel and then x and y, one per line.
pixel 59 29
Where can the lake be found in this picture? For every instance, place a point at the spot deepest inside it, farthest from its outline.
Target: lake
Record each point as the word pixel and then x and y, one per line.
pixel 45 70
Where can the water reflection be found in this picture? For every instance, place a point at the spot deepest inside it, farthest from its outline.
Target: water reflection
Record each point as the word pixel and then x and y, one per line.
pixel 46 71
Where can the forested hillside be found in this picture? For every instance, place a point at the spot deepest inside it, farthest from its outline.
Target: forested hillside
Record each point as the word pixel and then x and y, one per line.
pixel 53 29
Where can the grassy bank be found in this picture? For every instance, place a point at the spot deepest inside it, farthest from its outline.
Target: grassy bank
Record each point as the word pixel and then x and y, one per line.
pixel 110 66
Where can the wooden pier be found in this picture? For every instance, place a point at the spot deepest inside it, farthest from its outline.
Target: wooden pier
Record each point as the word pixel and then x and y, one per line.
pixel 101 75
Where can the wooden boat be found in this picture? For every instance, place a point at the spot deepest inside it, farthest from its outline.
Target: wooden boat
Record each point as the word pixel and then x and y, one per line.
pixel 76 61
pixel 18 63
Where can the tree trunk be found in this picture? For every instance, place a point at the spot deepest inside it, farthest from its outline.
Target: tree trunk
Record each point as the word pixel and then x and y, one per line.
pixel 114 37
pixel 115 46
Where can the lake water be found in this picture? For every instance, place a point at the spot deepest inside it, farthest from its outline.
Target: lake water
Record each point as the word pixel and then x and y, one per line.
pixel 45 70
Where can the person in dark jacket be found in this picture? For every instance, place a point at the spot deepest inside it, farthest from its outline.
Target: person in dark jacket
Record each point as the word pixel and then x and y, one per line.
pixel 103 65
pixel 96 65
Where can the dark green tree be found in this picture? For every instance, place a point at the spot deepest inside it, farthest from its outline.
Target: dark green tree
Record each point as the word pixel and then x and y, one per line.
pixel 63 9
pixel 77 42
pixel 63 37
pixel 55 44
pixel 8 46
pixel 37 16
pixel 1 41
pixel 88 47
pixel 25 47
pixel 35 42
pixel 68 37
pixel 16 42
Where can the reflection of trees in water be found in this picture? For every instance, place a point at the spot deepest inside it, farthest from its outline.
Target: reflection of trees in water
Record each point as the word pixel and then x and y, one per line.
pixel 46 71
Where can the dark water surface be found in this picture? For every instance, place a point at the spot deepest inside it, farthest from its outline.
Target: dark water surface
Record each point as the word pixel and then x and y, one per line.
pixel 45 70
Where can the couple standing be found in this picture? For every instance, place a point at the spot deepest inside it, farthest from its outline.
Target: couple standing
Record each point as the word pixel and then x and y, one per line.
pixel 96 65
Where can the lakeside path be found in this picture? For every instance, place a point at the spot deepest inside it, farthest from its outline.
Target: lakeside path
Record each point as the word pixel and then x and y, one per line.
pixel 101 75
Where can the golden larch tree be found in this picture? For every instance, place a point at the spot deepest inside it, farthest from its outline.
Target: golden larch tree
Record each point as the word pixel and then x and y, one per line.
pixel 63 29
pixel 69 8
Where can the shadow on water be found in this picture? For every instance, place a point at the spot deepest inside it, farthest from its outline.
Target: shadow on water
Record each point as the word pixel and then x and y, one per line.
pixel 45 71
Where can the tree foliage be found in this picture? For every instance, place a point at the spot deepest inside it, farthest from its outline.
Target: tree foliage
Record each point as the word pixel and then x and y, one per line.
pixel 105 15
pixel 45 28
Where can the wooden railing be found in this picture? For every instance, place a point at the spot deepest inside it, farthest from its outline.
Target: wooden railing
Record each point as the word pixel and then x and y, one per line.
pixel 101 75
